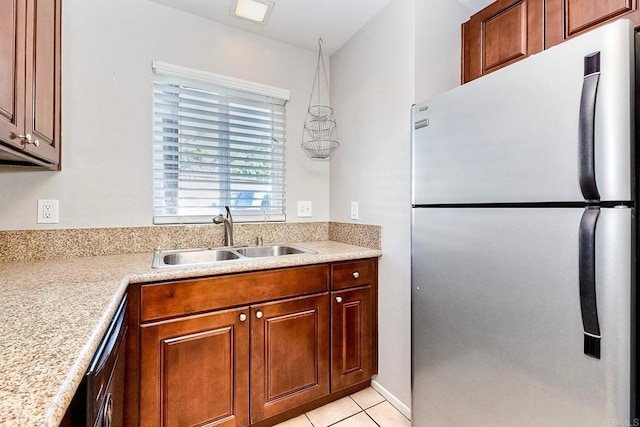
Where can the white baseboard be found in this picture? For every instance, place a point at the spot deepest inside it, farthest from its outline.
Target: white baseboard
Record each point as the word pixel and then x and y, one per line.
pixel 406 411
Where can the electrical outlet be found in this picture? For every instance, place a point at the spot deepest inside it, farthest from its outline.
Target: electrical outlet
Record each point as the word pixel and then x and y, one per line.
pixel 304 210
pixel 47 211
pixel 354 210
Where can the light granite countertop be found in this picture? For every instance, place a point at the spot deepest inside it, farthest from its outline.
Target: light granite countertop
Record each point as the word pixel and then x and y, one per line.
pixel 54 312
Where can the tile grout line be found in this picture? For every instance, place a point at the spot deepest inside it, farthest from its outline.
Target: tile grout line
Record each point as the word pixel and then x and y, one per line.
pixel 354 401
pixel 371 418
pixel 393 407
pixel 345 418
pixel 308 419
pixel 370 406
pixel 362 409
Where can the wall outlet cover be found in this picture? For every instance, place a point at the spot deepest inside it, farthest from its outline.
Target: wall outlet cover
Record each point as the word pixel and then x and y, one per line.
pixel 47 211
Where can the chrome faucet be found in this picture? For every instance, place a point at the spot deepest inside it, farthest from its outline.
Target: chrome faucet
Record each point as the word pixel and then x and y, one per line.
pixel 228 226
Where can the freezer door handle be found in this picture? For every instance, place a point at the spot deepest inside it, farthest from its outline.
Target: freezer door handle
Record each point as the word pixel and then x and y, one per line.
pixel 587 278
pixel 586 149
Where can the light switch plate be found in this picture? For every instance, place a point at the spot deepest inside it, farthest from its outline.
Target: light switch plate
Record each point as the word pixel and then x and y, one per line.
pixel 304 209
pixel 354 210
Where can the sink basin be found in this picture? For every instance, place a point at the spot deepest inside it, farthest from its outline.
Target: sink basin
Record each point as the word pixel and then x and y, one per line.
pixel 186 257
pixel 191 257
pixel 271 250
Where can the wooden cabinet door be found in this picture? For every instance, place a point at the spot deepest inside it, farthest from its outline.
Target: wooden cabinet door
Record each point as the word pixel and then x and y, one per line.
pixel 567 18
pixel 289 354
pixel 12 30
pixel 352 337
pixel 43 75
pixel 582 14
pixel 504 32
pixel 195 371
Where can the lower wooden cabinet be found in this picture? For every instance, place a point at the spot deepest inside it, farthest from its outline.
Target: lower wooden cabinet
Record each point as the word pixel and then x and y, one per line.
pixel 195 371
pixel 289 354
pixel 257 363
pixel 352 335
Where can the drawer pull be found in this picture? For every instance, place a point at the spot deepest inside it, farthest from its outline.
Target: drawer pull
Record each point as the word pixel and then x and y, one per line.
pixel 338 300
pixel 356 274
pixel 259 314
pixel 243 317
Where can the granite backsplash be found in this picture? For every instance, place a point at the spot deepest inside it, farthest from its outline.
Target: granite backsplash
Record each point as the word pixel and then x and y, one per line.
pixel 24 245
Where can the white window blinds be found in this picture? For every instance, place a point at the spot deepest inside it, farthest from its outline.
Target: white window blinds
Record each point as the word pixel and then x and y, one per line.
pixel 217 142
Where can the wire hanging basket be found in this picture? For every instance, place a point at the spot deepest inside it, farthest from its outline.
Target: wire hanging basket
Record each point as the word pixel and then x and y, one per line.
pixel 320 136
pixel 319 148
pixel 320 112
pixel 320 128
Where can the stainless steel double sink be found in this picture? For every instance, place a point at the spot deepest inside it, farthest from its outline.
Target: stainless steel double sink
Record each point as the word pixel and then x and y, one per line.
pixel 187 257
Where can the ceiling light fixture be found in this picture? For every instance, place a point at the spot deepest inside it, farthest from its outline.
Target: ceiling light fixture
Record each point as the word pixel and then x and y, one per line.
pixel 253 10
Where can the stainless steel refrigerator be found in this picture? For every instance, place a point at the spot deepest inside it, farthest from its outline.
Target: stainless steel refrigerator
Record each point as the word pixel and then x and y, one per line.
pixel 523 236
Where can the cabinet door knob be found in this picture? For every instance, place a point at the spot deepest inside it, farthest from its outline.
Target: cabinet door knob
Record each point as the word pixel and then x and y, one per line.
pixel 243 317
pixel 338 300
pixel 26 139
pixel 259 314
pixel 356 274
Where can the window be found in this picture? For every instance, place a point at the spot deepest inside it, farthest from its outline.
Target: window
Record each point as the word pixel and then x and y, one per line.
pixel 217 141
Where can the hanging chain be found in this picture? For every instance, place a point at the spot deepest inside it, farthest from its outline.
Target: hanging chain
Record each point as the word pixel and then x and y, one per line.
pixel 315 87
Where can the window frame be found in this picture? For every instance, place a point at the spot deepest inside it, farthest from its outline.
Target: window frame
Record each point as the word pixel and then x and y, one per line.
pixel 201 79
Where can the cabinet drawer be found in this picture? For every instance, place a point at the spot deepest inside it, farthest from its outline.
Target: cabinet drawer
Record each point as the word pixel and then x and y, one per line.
pixel 183 297
pixel 352 273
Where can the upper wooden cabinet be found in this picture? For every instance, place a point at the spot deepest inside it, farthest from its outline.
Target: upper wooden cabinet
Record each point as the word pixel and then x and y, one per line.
pixel 507 31
pixel 502 33
pixel 12 53
pixel 30 82
pixel 568 18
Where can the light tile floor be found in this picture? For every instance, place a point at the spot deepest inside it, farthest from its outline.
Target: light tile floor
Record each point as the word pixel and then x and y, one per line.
pixel 366 408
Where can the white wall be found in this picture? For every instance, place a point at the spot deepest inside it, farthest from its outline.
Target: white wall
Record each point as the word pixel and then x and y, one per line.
pixel 372 91
pixel 108 47
pixel 409 51
pixel 438 43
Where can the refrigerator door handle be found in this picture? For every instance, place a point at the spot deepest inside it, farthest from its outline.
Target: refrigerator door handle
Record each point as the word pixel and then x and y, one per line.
pixel 586 149
pixel 587 278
